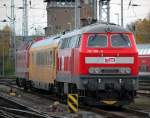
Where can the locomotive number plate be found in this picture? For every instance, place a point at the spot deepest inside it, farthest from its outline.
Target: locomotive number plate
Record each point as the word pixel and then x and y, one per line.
pixel 110 60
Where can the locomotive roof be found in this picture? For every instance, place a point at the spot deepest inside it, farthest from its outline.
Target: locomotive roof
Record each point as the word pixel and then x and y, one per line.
pixel 94 28
pixel 98 28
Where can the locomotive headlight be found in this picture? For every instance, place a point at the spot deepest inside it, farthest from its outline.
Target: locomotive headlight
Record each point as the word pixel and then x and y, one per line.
pixel 94 70
pixel 97 70
pixel 99 80
pixel 120 80
pixel 91 70
pixel 133 82
pixel 123 70
pixel 128 70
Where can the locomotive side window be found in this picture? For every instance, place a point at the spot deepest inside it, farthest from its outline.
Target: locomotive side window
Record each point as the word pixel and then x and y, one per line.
pixel 67 42
pixel 72 42
pixel 97 41
pixel 120 40
pixel 63 43
pixel 78 41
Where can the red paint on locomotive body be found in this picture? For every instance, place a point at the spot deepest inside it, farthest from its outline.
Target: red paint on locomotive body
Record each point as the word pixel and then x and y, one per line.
pixel 103 61
pixel 109 53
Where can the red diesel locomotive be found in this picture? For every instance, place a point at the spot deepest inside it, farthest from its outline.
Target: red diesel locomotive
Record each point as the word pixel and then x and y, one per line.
pixel 98 62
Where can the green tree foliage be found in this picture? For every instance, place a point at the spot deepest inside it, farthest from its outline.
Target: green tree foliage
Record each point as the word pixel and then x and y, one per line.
pixel 4 40
pixel 141 29
pixel 5 59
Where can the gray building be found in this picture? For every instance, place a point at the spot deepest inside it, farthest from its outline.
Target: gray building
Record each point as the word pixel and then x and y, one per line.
pixel 61 14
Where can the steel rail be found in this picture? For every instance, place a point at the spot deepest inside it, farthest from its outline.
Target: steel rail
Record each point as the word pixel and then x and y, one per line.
pixel 24 112
pixel 20 108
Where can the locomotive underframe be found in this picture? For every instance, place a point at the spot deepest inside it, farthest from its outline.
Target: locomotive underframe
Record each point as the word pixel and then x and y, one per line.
pixel 95 89
pixel 93 83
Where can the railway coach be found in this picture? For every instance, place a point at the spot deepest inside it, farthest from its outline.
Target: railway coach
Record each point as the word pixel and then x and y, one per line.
pixel 98 62
pixel 144 57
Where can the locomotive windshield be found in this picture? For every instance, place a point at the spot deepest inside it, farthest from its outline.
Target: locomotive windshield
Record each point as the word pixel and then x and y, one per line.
pixel 120 40
pixel 97 41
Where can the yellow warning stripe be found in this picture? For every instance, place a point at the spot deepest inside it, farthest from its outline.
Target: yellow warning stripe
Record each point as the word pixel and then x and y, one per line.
pixel 73 100
pixel 72 107
pixel 109 102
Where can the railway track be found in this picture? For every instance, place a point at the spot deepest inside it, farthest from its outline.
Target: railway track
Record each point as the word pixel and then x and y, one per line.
pixel 144 85
pixel 107 113
pixel 118 112
pixel 11 109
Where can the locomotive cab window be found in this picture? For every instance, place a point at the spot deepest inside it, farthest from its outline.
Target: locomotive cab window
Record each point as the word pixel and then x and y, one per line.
pixel 97 41
pixel 120 40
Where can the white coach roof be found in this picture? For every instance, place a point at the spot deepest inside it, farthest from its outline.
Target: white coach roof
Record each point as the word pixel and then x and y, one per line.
pixel 143 49
pixel 47 41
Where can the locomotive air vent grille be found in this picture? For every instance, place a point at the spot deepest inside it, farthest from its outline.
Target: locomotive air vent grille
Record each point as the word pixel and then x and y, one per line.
pixel 110 71
pixel 107 70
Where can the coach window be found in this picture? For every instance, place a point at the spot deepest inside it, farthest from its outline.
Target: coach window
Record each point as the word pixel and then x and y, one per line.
pixel 40 58
pixel 97 41
pixel 54 57
pixel 51 61
pixel 34 58
pixel 44 57
pixel 37 58
pixel 120 40
pixel 47 58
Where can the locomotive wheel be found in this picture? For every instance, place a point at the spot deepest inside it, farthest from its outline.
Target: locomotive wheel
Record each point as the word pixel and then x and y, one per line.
pixel 24 85
pixel 72 89
pixel 60 92
pixel 31 86
pixel 18 82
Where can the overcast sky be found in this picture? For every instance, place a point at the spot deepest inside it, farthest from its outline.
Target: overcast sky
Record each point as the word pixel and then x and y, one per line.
pixel 38 16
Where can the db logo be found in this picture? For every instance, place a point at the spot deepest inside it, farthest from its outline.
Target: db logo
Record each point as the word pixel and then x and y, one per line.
pixel 110 60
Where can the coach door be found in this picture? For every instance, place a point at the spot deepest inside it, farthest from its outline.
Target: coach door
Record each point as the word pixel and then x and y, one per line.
pixel 53 63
